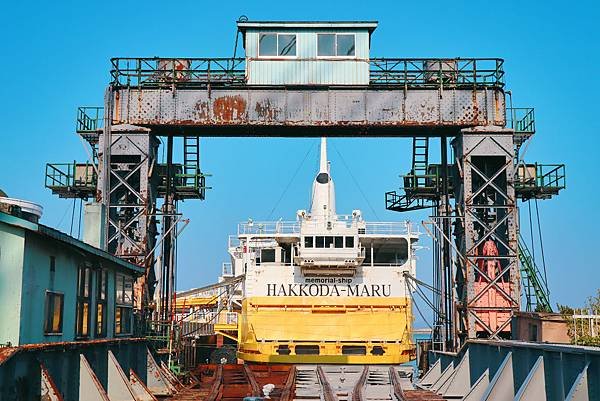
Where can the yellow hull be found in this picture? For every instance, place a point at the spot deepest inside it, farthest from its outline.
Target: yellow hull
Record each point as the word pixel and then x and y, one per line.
pixel 339 330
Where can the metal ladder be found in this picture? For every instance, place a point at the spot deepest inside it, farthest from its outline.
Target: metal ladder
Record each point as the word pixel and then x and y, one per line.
pixel 420 161
pixel 191 161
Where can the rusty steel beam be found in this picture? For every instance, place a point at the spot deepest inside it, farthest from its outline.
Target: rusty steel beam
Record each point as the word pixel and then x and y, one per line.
pixel 309 111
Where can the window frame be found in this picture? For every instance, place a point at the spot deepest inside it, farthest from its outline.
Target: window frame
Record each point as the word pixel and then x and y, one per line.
pixel 276 56
pixel 122 306
pixel 101 277
pixel 309 240
pixel 346 237
pixel 335 45
pixel 46 310
pixel 83 299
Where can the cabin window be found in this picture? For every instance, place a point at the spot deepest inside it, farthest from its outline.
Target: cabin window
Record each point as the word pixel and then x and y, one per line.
pixel 349 242
pixel 308 242
pixel 53 313
pixel 320 242
pixel 339 242
pixel 277 44
pixel 335 45
pixel 328 242
pixel 84 282
pixel 267 256
pixel 124 304
pixel 101 282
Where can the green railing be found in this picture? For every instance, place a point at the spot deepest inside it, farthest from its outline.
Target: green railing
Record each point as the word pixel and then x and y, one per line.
pixel 190 185
pixel 70 176
pixel 522 120
pixel 533 283
pixel 185 71
pixel 89 119
pixel 439 72
pixel 407 72
pixel 541 177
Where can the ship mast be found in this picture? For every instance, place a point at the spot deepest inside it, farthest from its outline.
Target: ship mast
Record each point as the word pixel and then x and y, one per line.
pixel 323 193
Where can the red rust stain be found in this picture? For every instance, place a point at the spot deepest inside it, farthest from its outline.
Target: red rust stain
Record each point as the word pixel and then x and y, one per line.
pixel 229 108
pixel 7 352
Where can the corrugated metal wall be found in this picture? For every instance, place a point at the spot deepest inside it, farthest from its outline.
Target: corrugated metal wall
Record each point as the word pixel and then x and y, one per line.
pixel 306 68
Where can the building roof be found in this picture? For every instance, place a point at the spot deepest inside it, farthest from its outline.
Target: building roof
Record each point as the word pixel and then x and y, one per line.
pixel 368 25
pixel 56 235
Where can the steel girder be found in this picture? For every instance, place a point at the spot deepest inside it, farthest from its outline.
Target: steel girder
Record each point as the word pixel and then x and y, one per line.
pixel 310 111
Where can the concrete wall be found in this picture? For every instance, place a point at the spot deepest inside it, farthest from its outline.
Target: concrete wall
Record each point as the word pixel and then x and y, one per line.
pixel 306 68
pixel 12 243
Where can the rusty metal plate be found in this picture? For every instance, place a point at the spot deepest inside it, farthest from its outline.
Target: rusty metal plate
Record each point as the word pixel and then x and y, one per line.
pixel 311 107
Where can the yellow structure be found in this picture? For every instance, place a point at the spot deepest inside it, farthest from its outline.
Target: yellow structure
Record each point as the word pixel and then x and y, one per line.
pixel 348 330
pixel 326 288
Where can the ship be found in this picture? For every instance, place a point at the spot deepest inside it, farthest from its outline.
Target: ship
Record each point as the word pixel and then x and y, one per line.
pixel 325 288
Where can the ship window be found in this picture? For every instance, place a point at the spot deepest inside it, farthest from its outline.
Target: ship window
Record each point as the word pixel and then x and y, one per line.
pixel 349 242
pixel 267 255
pixel 320 242
pixel 308 242
pixel 273 44
pixel 340 45
pixel 328 242
pixel 339 242
pixel 54 313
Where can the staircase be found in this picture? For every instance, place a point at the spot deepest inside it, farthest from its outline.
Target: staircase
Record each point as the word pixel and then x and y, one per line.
pixel 534 285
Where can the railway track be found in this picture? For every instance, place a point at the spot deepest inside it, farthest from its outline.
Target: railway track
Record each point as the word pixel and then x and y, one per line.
pixel 313 383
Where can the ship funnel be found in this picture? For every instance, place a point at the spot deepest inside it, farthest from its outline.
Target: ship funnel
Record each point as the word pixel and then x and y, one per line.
pixel 323 194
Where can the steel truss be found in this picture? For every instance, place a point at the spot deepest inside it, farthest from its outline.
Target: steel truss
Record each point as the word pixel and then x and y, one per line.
pixel 488 282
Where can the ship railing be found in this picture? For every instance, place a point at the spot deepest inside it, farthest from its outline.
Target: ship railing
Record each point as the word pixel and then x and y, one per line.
pixel 269 227
pixel 389 228
pixel 233 241
pixel 348 221
pixel 212 292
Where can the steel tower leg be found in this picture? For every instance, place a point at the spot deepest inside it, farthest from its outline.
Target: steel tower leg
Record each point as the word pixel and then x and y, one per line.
pixel 486 233
pixel 127 158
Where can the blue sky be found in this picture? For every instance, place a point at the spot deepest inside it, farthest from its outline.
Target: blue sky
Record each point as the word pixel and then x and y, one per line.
pixel 54 57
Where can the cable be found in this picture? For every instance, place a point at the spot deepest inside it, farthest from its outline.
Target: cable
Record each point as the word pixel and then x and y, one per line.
pixel 531 232
pixel 356 183
pixel 291 181
pixel 79 225
pixel 541 245
pixel 72 217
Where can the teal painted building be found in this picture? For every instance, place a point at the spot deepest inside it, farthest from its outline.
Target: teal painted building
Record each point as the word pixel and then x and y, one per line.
pixel 54 288
pixel 307 53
